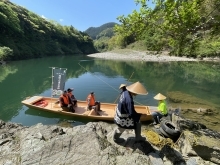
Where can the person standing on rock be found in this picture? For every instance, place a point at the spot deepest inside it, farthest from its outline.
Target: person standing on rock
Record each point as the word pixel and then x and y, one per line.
pixel 126 117
pixel 161 109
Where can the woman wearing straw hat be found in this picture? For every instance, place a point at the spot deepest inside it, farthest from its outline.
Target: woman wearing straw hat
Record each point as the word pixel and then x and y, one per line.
pixel 161 110
pixel 126 117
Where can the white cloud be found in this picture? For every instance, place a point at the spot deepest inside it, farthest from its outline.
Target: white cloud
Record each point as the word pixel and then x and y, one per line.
pixel 61 20
pixel 43 16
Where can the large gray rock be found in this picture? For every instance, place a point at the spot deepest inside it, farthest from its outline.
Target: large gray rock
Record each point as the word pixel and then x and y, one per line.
pixel 86 144
pixel 197 140
pixel 197 143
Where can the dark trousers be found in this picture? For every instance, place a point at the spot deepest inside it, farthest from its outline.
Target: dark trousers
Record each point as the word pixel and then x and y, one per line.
pixel 96 107
pixel 157 116
pixel 68 108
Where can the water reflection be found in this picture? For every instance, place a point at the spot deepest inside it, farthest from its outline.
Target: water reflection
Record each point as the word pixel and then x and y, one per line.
pixel 33 77
pixel 5 71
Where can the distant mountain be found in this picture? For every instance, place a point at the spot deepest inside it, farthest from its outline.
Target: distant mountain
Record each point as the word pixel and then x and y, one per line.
pixel 96 32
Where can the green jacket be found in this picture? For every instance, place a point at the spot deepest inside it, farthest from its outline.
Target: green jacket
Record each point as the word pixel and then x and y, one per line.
pixel 162 107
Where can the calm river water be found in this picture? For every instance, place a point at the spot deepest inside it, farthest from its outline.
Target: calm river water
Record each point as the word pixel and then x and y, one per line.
pixel 20 79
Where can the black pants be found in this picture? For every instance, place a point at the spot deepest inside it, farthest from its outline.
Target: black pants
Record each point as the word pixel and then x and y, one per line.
pixel 97 103
pixel 68 108
pixel 96 106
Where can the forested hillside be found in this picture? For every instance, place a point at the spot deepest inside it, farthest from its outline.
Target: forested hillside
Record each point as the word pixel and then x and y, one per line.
pixel 101 35
pixel 183 27
pixel 24 35
pixel 95 32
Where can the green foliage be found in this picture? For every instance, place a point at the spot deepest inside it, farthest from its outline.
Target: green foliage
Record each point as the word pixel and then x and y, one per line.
pixel 139 45
pixel 9 18
pixel 106 33
pixel 174 25
pixel 208 49
pixel 6 70
pixel 5 52
pixel 31 36
pixel 93 32
pixel 101 44
pixel 102 36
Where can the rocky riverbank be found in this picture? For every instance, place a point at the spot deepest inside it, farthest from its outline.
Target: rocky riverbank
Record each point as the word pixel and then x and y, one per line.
pixel 127 54
pixel 92 144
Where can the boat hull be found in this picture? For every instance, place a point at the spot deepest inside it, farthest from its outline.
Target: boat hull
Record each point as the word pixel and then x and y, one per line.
pixel 107 114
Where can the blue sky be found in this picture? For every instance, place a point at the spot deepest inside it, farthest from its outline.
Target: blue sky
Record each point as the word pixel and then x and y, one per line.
pixel 81 14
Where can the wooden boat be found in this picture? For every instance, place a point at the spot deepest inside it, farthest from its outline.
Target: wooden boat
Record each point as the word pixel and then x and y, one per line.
pixel 108 110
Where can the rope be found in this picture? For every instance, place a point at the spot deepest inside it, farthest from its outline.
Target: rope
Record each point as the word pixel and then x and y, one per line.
pixel 154 138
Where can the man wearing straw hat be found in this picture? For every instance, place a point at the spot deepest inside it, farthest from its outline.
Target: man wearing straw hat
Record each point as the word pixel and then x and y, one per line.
pixel 161 110
pixel 126 117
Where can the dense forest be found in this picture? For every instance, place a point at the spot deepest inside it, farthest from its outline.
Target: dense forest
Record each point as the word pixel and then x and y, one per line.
pixel 24 35
pixel 105 29
pixel 101 35
pixel 182 27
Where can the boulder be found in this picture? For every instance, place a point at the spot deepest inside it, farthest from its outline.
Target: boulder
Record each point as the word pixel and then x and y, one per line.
pixel 93 144
pixel 197 140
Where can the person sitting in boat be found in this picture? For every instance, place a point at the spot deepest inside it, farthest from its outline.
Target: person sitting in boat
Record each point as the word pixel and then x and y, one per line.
pixel 72 97
pixel 65 102
pixel 161 109
pixel 126 117
pixel 92 104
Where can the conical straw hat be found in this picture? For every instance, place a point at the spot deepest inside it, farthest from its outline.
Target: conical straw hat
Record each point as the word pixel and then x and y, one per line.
pixel 137 88
pixel 159 96
pixel 122 85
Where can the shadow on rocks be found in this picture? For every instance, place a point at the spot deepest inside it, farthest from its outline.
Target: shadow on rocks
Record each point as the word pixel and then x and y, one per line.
pixel 142 147
pixel 172 155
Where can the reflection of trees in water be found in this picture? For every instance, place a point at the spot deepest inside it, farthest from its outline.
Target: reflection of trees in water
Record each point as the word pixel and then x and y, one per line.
pixel 188 71
pixel 199 72
pixel 199 79
pixel 6 70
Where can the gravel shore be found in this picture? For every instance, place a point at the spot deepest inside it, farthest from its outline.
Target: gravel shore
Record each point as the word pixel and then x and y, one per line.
pixel 139 56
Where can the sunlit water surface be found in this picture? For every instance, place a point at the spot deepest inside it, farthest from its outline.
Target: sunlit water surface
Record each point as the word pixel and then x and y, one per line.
pixel 21 79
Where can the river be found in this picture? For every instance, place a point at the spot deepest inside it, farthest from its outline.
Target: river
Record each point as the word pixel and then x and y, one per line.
pixel 199 82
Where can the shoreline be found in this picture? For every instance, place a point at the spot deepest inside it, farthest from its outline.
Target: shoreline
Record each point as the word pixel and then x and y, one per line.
pixel 133 55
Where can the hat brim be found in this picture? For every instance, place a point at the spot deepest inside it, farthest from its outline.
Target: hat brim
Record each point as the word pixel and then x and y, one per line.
pixel 137 88
pixel 122 85
pixel 159 96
